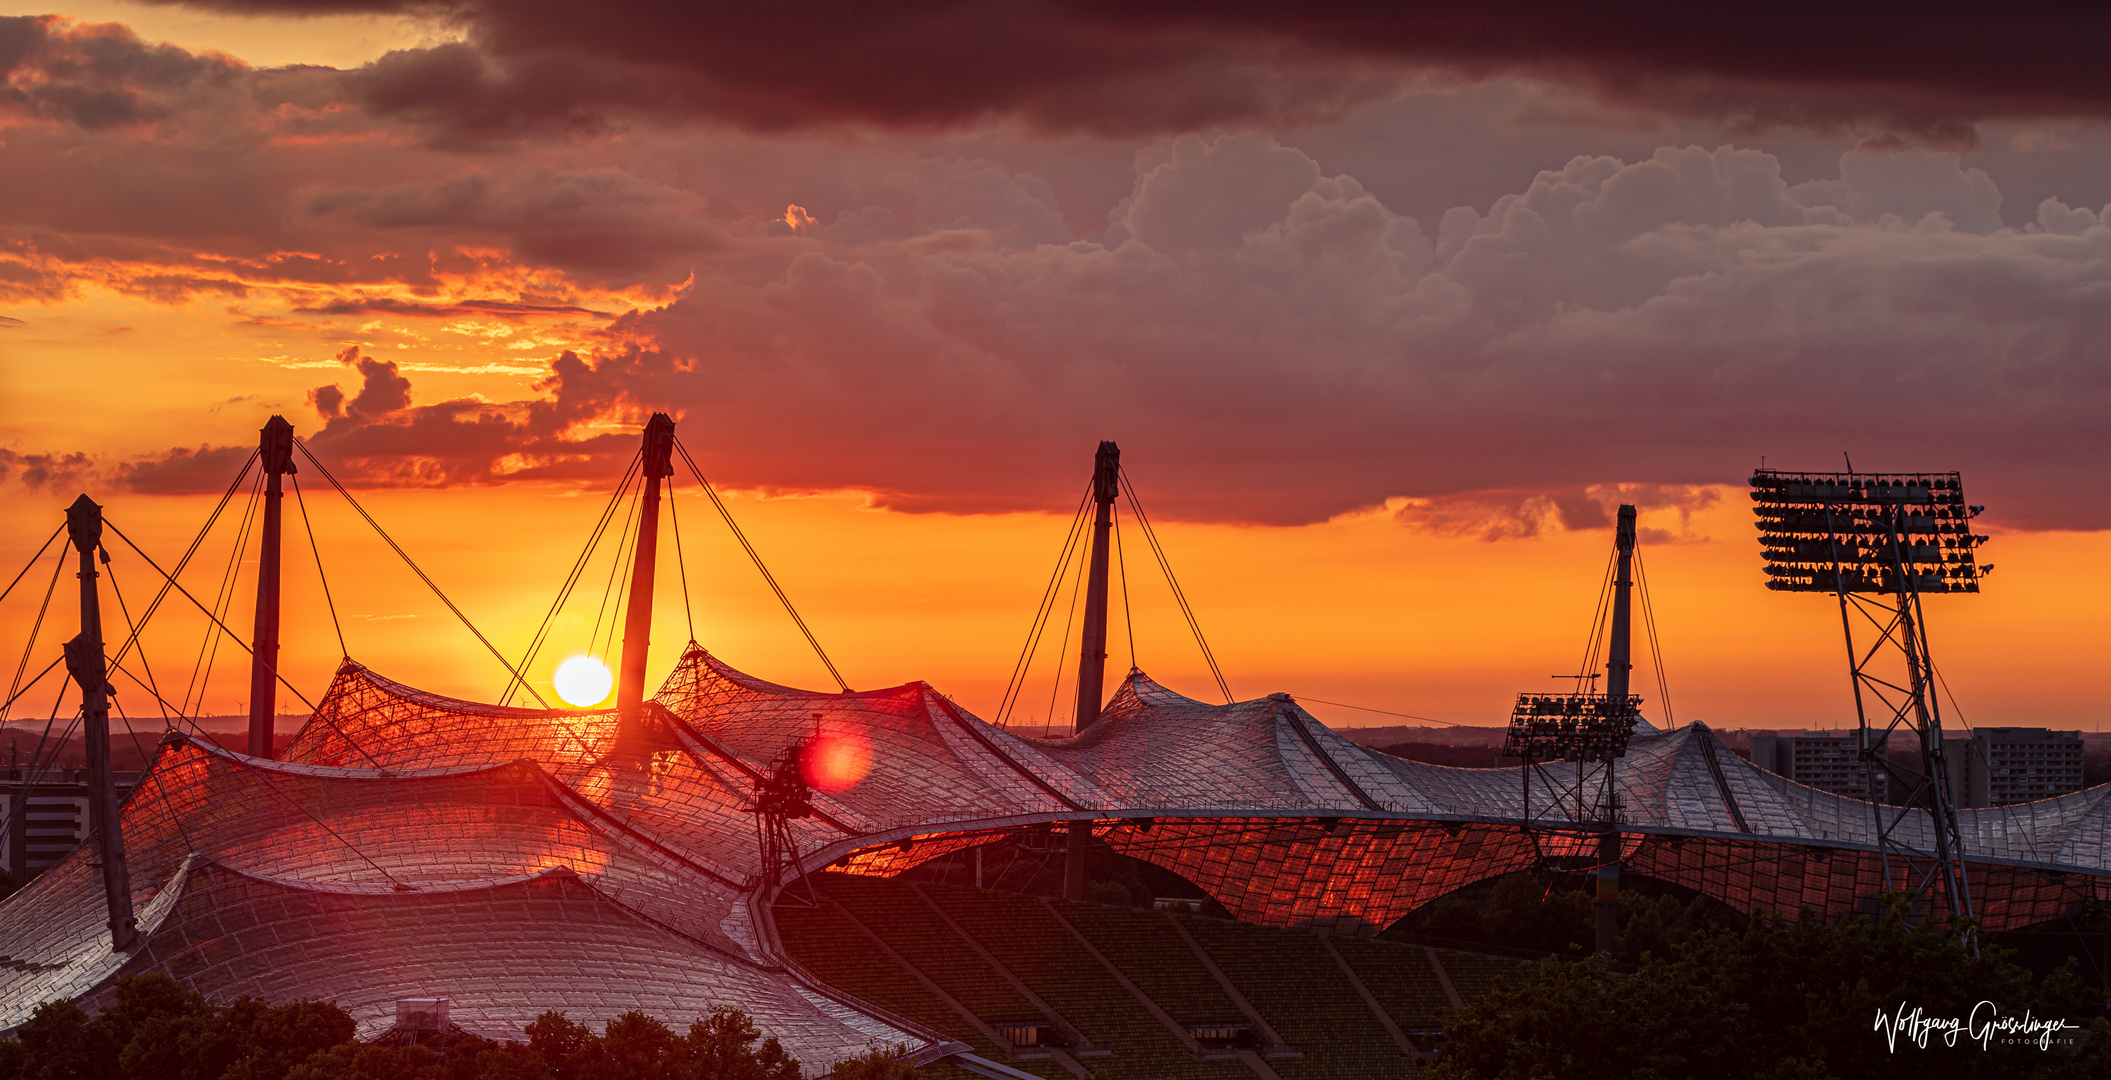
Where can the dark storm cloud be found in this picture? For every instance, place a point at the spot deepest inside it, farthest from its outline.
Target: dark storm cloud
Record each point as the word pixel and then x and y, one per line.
pixel 1271 344
pixel 98 76
pixel 184 470
pixel 1094 65
pixel 38 470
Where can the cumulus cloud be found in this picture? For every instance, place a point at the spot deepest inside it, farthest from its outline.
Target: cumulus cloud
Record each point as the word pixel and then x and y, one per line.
pixel 1274 344
pixel 37 471
pixel 184 470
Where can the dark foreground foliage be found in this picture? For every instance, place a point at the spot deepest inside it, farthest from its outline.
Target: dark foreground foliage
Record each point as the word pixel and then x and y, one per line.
pixel 1777 1000
pixel 156 1030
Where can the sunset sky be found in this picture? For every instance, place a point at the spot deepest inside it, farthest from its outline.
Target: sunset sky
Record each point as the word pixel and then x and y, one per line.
pixel 1387 312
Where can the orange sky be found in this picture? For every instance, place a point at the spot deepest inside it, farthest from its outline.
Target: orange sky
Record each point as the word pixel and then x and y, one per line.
pixel 1382 345
pixel 1357 610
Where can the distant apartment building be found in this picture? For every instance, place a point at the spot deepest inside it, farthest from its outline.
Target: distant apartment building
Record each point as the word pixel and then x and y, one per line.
pixel 45 816
pixel 2000 766
pixel 1826 762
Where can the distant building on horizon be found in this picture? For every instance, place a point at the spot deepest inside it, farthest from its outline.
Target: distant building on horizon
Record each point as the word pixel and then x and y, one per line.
pixel 1826 762
pixel 44 816
pixel 1999 766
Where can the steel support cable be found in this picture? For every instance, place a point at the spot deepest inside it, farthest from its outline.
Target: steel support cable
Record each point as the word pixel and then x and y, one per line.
pixel 36 629
pixel 132 631
pixel 1594 645
pixel 308 526
pixel 223 599
pixel 145 762
pixel 313 710
pixel 32 684
pixel 37 766
pixel 1656 649
pixel 408 561
pixel 271 782
pixel 626 549
pixel 681 562
pixel 564 592
pixel 1015 687
pixel 1121 565
pixel 31 564
pixel 196 541
pixel 1063 643
pixel 1150 535
pixel 1381 712
pixel 757 559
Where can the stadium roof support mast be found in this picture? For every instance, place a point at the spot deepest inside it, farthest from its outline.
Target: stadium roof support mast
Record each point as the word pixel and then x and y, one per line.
pixel 637 625
pixel 1092 651
pixel 85 662
pixel 1578 816
pixel 275 450
pixel 1863 536
pixel 1618 665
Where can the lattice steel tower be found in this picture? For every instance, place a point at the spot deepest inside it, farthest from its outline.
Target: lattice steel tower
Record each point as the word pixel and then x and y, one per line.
pixel 1866 537
pixel 1577 812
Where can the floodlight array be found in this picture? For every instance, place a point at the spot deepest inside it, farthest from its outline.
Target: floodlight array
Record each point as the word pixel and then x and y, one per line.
pixel 1571 727
pixel 1866 532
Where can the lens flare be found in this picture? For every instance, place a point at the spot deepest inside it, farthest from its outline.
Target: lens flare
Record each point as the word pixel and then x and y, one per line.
pixel 836 761
pixel 583 682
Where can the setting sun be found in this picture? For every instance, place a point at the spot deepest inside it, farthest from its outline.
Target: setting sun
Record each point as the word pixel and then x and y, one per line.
pixel 583 682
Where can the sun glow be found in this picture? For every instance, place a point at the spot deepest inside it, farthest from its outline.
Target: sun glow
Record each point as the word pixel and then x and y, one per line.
pixel 836 761
pixel 583 682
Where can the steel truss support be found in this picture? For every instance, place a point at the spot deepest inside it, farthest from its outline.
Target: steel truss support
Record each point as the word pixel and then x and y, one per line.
pixel 1916 869
pixel 1569 744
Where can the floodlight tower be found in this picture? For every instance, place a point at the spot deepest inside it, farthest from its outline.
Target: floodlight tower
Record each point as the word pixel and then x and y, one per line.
pixel 1866 537
pixel 782 797
pixel 1579 815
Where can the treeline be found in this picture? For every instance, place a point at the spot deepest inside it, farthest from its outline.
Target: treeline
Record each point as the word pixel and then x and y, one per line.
pixel 1787 1000
pixel 157 1030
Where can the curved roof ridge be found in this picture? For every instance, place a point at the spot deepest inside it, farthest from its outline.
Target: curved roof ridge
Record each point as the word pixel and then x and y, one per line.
pixel 696 655
pixel 337 772
pixel 354 671
pixel 369 888
pixel 1149 691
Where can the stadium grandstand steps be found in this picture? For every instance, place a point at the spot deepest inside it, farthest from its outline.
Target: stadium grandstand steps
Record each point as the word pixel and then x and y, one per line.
pixel 1473 974
pixel 1037 948
pixel 1403 980
pixel 1126 987
pixel 1296 984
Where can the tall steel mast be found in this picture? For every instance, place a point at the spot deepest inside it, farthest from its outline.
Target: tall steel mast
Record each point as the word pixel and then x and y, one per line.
pixel 1092 652
pixel 85 662
pixel 637 625
pixel 275 450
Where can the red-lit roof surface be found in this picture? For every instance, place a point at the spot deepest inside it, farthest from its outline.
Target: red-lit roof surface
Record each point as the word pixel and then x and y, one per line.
pixel 518 860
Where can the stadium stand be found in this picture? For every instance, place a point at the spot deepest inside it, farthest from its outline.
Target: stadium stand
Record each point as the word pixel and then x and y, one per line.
pixel 1077 964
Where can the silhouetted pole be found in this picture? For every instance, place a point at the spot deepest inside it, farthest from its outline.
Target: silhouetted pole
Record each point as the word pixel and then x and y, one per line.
pixel 275 445
pixel 84 661
pixel 637 624
pixel 1092 651
pixel 1617 669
